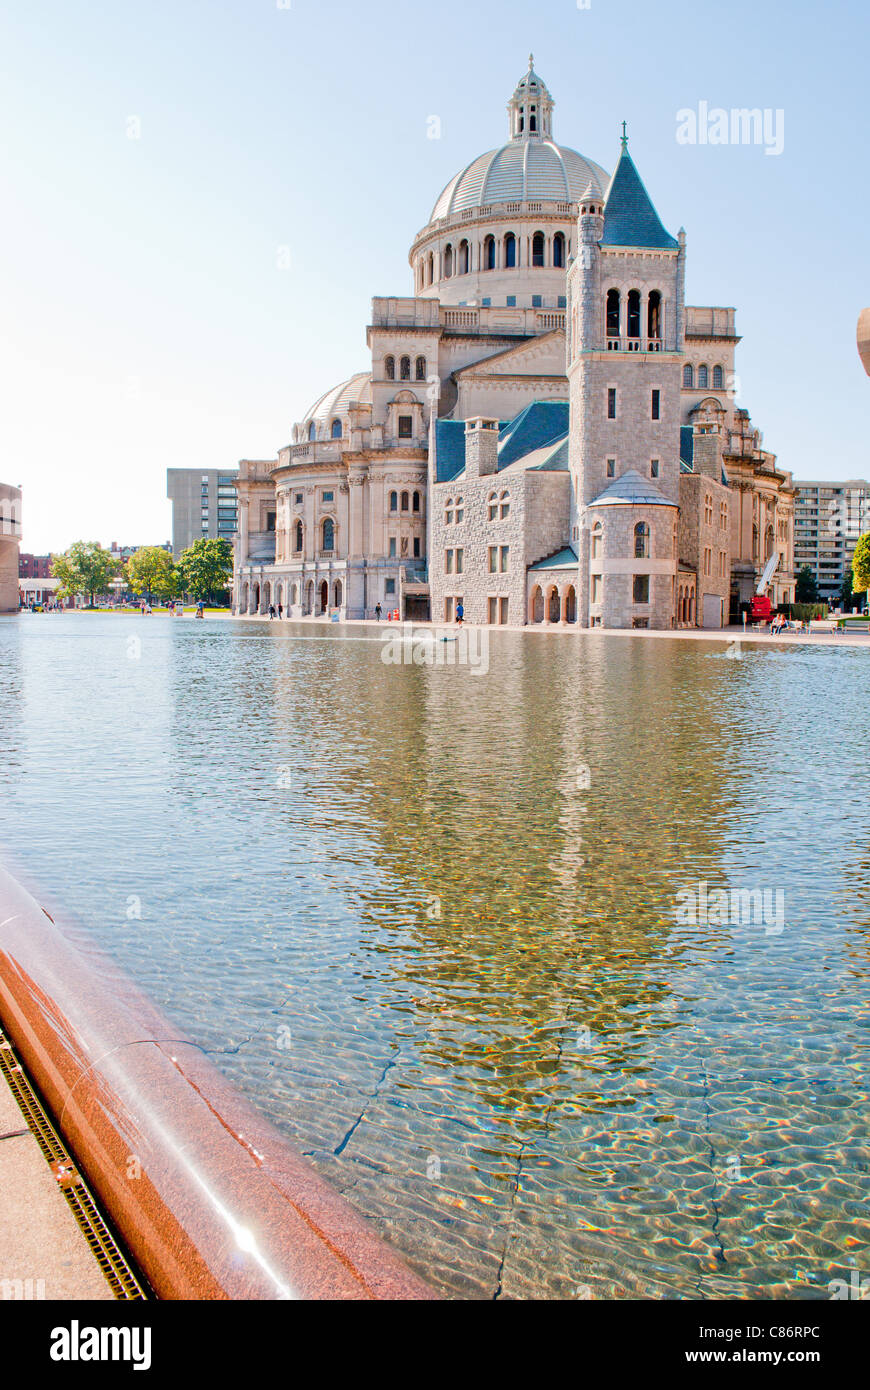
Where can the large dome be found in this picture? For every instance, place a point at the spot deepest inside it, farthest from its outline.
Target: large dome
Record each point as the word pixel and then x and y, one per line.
pixel 520 171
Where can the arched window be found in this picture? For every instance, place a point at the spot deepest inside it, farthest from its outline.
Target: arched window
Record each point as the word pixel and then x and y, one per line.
pixel 448 512
pixel 405 501
pixel 390 368
pixel 558 249
pixel 394 501
pixel 489 253
pixel 328 534
pixel 613 313
pixel 298 537
pixel 633 327
pixel 448 262
pixel 405 369
pixel 415 502
pixel 464 258
pixel 702 378
pixel 492 506
pixel 312 430
pixel 336 429
pixel 431 267
pixel 597 541
pixel 460 509
pixel 641 541
pixel 538 248
pixel 654 315
pixel 421 369
pixel 504 505
pixel 718 380
pixel 688 375
pixel 533 120
pixel 510 250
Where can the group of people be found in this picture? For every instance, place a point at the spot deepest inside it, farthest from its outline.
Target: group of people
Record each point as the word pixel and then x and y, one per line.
pixel 460 612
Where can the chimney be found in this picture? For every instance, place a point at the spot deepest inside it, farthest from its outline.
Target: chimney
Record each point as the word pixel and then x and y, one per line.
pixel 481 447
pixel 707 453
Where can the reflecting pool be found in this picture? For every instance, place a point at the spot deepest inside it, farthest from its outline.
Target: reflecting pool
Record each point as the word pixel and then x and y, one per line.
pixel 463 938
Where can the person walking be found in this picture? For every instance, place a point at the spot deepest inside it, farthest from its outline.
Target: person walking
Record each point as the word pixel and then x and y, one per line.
pixel 271 612
pixel 460 613
pixel 280 611
pixel 378 611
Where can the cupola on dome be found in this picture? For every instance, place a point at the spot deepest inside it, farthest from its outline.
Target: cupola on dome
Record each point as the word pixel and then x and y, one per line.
pixel 530 167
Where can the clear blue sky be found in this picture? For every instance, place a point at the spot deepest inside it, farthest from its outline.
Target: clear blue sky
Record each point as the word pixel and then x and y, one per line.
pixel 146 321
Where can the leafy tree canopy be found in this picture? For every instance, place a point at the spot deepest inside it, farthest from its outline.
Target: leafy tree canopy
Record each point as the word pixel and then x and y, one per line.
pixel 150 572
pixel 206 568
pixel 85 568
pixel 861 565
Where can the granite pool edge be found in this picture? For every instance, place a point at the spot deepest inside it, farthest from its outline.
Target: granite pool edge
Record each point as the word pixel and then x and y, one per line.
pixel 211 1199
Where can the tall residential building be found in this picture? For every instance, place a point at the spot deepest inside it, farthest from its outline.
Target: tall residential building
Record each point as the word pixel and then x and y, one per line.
pixel 829 518
pixel 204 505
pixel 10 540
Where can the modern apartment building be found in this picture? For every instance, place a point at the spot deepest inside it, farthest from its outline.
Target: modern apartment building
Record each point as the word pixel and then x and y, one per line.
pixel 829 518
pixel 204 505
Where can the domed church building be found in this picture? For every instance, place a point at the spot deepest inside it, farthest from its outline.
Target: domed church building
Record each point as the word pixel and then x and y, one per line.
pixel 545 433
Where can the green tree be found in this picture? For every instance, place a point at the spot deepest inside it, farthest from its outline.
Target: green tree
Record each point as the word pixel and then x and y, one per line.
pixel 83 569
pixel 861 565
pixel 206 568
pixel 806 590
pixel 150 571
pixel 846 590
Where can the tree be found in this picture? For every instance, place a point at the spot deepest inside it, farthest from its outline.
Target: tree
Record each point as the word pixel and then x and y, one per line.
pixel 150 571
pixel 861 565
pixel 83 569
pixel 206 568
pixel 806 590
pixel 846 594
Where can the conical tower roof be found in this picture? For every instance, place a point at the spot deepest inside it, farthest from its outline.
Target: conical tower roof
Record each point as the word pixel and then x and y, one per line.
pixel 629 216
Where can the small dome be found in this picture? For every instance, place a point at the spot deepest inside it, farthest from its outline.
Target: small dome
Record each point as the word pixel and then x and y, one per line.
pixel 531 79
pixel 334 403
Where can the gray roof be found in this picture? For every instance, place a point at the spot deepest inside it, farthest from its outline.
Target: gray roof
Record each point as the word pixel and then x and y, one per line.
pixel 631 489
pixel 629 216
pixel 519 171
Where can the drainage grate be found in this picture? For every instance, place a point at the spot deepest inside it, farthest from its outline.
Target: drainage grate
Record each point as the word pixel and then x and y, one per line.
pixel 119 1274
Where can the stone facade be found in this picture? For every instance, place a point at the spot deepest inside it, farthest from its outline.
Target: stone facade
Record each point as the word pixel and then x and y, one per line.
pixel 500 523
pixel 10 541
pixel 538 280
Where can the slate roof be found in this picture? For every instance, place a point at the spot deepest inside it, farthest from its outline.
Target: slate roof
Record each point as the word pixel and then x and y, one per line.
pixel 563 559
pixel 631 488
pixel 540 423
pixel 629 216
pixel 536 438
pixel 687 450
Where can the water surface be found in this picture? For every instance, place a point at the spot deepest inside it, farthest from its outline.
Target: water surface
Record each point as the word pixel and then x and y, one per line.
pixel 426 921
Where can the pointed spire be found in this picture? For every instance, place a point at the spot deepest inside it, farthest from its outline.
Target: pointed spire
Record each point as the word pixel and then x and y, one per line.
pixel 630 219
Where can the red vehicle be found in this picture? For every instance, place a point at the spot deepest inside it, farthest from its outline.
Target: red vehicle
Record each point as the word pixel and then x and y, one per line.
pixel 762 610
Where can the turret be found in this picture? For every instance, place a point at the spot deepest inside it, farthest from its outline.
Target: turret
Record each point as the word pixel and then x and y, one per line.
pixel 530 109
